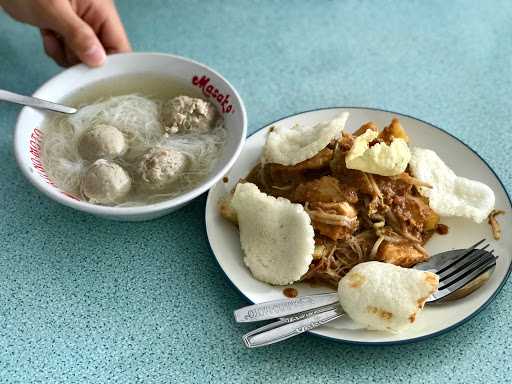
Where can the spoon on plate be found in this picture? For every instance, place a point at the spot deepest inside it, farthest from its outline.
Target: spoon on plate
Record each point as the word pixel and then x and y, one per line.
pixel 34 102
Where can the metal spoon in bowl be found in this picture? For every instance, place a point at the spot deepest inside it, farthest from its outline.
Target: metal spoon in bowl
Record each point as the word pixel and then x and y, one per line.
pixel 35 102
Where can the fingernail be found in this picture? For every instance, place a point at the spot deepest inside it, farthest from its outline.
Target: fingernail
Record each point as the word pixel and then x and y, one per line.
pixel 95 55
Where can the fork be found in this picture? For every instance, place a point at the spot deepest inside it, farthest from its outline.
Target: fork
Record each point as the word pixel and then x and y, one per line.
pixel 455 269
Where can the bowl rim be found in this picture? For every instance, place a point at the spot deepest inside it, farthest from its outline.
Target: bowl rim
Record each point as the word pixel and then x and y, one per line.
pixel 55 194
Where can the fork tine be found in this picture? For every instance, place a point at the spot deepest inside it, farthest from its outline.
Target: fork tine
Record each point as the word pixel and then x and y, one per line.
pixel 464 270
pixel 450 263
pixel 462 263
pixel 463 281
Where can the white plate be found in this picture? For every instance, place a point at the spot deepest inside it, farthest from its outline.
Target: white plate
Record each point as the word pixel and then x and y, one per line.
pixel 224 240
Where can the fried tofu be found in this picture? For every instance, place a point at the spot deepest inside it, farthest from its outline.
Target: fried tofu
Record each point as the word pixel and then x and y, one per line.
pixel 369 125
pixel 394 131
pixel 401 254
pixel 325 189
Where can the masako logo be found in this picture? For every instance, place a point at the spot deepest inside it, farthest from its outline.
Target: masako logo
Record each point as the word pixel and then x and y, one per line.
pixel 209 90
pixel 34 150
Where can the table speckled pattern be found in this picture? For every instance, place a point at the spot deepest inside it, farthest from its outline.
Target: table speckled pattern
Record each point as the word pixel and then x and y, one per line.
pixel 84 300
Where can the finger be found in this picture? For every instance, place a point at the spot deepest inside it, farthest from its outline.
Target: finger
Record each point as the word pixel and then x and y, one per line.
pixel 80 38
pixel 53 47
pixel 84 43
pixel 71 58
pixel 113 36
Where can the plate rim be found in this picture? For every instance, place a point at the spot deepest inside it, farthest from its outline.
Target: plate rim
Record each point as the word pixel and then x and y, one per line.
pixel 396 342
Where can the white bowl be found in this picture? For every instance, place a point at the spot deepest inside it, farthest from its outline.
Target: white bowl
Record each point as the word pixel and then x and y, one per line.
pixel 27 136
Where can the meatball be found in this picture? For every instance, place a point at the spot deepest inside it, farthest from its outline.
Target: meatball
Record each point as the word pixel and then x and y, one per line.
pixel 160 167
pixel 187 114
pixel 102 142
pixel 105 182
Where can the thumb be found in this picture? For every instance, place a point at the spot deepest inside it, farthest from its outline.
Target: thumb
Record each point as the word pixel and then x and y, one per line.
pixel 83 42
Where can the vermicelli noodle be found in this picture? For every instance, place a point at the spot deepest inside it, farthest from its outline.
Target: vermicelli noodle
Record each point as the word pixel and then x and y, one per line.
pixel 139 119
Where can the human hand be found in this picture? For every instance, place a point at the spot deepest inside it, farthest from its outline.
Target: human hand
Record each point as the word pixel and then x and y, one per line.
pixel 73 31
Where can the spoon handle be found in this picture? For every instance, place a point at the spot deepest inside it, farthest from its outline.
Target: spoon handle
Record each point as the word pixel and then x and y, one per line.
pixel 34 102
pixel 282 330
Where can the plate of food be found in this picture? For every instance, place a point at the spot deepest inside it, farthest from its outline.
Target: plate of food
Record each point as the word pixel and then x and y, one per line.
pixel 317 193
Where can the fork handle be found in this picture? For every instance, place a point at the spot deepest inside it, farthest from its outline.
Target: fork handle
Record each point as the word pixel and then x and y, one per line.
pixel 284 307
pixel 280 330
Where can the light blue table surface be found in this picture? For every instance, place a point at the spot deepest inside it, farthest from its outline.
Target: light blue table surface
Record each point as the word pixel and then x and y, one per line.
pixel 88 300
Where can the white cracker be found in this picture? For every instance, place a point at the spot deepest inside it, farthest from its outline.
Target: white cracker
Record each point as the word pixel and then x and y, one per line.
pixel 294 145
pixel 451 195
pixel 380 159
pixel 276 235
pixel 383 296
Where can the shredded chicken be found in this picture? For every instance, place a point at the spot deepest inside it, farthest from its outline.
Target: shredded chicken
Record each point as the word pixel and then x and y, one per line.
pixel 376 246
pixel 363 128
pixel 495 226
pixel 333 220
pixel 373 185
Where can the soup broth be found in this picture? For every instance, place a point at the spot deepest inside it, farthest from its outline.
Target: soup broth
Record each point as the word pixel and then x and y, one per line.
pixel 138 106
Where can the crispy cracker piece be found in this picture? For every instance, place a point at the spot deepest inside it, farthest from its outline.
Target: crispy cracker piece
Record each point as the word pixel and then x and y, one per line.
pixel 276 235
pixel 381 158
pixel 385 297
pixel 450 194
pixel 294 145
